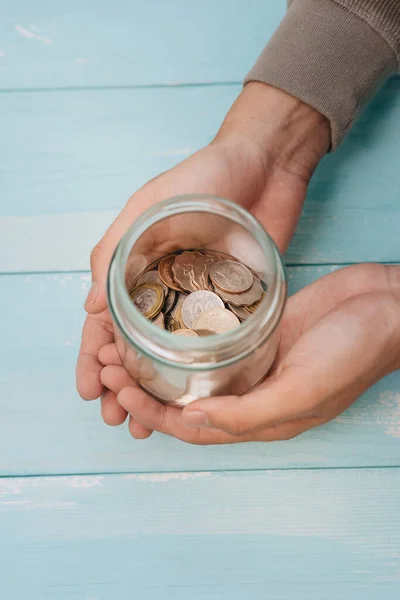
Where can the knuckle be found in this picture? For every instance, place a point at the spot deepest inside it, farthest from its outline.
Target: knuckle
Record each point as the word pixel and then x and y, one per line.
pixel 237 427
pixel 96 253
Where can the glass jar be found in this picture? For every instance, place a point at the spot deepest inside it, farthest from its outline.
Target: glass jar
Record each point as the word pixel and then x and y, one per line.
pixel 178 369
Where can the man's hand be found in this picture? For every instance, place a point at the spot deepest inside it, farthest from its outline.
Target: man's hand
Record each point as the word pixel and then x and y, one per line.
pixel 339 336
pixel 262 158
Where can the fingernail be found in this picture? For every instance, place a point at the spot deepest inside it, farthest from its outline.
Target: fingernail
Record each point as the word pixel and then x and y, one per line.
pixel 195 418
pixel 92 295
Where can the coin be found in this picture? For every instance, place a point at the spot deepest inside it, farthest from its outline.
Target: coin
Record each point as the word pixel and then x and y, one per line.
pixel 200 273
pixel 241 312
pixel 148 299
pixel 182 270
pixel 247 298
pixel 181 299
pixel 201 269
pixel 216 319
pixel 185 332
pixel 230 276
pixel 204 332
pixel 171 324
pixel 253 307
pixel 178 316
pixel 159 321
pixel 165 272
pixel 152 277
pixel 169 301
pixel 196 303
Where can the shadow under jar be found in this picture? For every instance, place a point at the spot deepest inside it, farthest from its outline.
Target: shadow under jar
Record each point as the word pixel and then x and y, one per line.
pixel 177 369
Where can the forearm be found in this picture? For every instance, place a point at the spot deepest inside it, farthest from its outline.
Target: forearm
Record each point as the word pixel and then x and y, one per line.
pixel 333 55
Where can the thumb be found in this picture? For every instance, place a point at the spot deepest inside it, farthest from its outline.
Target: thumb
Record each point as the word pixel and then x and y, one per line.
pixel 100 259
pixel 328 367
pixel 282 398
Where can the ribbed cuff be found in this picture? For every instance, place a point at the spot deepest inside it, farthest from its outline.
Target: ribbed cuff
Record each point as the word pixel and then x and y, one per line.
pixel 328 57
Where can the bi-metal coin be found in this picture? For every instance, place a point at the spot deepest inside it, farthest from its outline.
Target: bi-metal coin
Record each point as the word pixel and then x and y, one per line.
pixel 148 299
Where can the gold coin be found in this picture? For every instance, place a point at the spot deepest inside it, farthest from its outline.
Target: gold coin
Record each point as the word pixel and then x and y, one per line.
pixel 152 277
pixel 178 316
pixel 182 269
pixel 185 332
pixel 148 299
pixel 204 332
pixel 181 298
pixel 171 324
pixel 217 319
pixel 253 307
pixel 241 312
pixel 165 272
pixel 169 301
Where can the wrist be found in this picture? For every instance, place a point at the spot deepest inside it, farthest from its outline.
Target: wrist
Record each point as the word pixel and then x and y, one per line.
pixel 287 132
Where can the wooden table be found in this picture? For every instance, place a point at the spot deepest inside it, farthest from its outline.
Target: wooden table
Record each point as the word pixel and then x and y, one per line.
pixel 96 98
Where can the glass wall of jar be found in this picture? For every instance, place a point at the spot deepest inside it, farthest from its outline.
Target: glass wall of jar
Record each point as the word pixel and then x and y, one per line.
pixel 179 369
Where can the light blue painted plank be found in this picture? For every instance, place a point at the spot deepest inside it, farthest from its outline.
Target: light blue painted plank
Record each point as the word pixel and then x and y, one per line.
pixel 87 151
pixel 98 43
pixel 308 535
pixel 46 428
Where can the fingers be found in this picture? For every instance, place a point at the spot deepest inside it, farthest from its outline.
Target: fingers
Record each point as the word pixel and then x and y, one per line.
pixel 160 417
pixel 113 414
pixel 137 430
pixel 168 420
pixel 97 331
pixel 328 368
pixel 280 400
pixel 115 378
pixel 312 303
pixel 108 355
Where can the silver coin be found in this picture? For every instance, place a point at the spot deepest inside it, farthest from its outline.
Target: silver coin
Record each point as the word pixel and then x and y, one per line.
pixel 196 303
pixel 231 277
pixel 152 277
pixel 216 319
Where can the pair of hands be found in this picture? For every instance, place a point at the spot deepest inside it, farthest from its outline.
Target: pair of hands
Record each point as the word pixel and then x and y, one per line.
pixel 339 335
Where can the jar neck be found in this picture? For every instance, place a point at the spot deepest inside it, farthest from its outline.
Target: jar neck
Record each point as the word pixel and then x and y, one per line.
pixel 202 352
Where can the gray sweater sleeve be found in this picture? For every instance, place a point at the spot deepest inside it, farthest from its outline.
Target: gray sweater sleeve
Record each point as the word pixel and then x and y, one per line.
pixel 333 55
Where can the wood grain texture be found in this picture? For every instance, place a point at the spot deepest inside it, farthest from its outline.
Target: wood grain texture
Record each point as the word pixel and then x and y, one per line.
pixel 48 45
pixel 80 155
pixel 308 535
pixel 46 429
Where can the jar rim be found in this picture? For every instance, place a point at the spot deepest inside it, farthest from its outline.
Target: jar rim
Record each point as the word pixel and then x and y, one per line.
pixel 180 350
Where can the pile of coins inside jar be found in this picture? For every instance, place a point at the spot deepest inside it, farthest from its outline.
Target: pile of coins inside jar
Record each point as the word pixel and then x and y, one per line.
pixel 197 293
